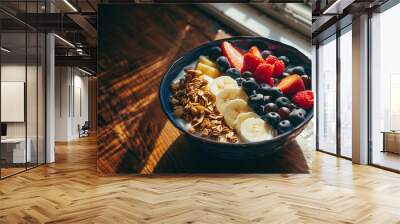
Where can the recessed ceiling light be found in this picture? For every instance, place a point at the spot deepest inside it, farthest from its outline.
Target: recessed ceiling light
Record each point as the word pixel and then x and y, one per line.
pixel 64 40
pixel 333 6
pixel 84 71
pixel 70 5
pixel 337 7
pixel 5 50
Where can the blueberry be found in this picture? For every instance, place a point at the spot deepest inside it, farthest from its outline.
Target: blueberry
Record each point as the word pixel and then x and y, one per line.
pixel 275 92
pixel 297 116
pixel 292 106
pixel 299 70
pixel 252 92
pixel 266 53
pixel 265 85
pixel 284 126
pixel 239 81
pixel 214 53
pixel 264 89
pixel 284 59
pixel 249 85
pixel 271 107
pixel 256 100
pixel 282 102
pixel 267 100
pixel 284 112
pixel 302 110
pixel 223 63
pixel 247 75
pixel 273 118
pixel 259 110
pixel 233 73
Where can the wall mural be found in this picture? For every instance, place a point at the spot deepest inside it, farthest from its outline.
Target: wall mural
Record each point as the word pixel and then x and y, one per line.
pixel 180 92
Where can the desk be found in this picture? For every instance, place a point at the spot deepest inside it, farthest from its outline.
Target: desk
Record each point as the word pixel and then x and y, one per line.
pixel 391 141
pixel 13 150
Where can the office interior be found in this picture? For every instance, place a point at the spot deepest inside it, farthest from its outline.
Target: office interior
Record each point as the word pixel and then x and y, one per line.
pixel 357 85
pixel 45 89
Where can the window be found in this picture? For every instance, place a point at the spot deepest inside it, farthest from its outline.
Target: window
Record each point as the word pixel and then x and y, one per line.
pixel 346 74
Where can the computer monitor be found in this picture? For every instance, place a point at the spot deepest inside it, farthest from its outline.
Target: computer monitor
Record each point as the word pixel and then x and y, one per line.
pixel 3 129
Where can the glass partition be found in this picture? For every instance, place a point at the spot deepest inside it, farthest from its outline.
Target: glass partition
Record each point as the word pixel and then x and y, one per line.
pixel 326 93
pixel 32 98
pixel 385 89
pixel 14 151
pixel 23 91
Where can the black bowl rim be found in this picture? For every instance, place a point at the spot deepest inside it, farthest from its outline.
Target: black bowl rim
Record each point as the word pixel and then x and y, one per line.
pixel 225 144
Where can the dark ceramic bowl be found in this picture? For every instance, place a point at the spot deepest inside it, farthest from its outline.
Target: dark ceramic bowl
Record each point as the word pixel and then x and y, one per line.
pixel 241 151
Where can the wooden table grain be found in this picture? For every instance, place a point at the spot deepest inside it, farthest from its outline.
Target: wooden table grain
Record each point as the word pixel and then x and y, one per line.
pixel 136 45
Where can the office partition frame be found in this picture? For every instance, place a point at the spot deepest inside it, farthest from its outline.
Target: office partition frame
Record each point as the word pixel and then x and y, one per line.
pixel 30 29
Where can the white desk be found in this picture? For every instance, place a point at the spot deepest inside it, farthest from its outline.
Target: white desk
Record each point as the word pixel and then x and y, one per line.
pixel 17 146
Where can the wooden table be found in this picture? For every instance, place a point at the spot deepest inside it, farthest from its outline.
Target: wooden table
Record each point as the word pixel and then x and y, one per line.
pixel 136 45
pixel 391 141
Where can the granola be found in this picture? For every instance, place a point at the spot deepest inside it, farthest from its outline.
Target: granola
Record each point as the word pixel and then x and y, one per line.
pixel 192 102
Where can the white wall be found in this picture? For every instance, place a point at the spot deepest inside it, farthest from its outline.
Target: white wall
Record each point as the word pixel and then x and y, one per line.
pixel 33 127
pixel 16 73
pixel 62 81
pixel 71 102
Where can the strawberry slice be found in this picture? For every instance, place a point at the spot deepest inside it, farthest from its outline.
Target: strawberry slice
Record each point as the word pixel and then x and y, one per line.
pixel 255 51
pixel 250 63
pixel 291 85
pixel 235 58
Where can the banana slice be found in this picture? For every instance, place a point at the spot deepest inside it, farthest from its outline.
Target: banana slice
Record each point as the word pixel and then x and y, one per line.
pixel 206 61
pixel 255 129
pixel 228 94
pixel 221 83
pixel 209 80
pixel 232 109
pixel 242 117
pixel 208 70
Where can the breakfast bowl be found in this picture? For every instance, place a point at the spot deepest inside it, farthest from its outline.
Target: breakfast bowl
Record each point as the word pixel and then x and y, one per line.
pixel 240 150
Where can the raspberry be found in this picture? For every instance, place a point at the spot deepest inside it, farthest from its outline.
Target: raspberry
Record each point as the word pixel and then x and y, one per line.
pixel 304 99
pixel 279 68
pixel 271 60
pixel 263 72
pixel 271 81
